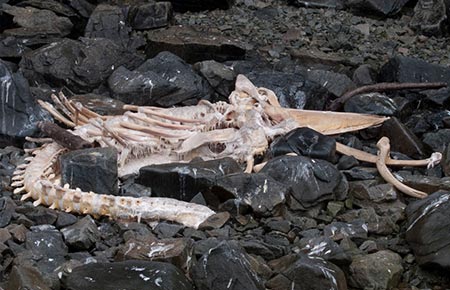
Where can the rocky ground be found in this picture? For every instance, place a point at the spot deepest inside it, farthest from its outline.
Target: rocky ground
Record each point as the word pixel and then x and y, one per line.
pixel 323 221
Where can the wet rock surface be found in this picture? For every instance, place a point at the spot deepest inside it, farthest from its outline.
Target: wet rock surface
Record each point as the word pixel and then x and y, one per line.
pixel 316 221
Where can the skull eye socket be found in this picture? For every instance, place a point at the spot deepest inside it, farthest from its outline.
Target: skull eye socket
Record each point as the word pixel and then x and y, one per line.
pixel 217 147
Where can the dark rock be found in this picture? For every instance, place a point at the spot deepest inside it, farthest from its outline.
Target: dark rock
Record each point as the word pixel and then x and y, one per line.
pixel 336 4
pixel 41 215
pixel 407 69
pixel 219 76
pixel 371 103
pixel 140 87
pixel 311 180
pixel 430 17
pixel 426 219
pixel 305 142
pixel 293 90
pixel 364 75
pixel 339 230
pixel 347 162
pixel 65 219
pixel 192 45
pixel 100 104
pixel 264 249
pixel 383 7
pixel 4 235
pixel 196 5
pixel 445 162
pixel 370 190
pixel 107 21
pixel 26 277
pixel 175 251
pixel 318 59
pixel 402 139
pixel 326 249
pixel 47 247
pixel 437 140
pixel 20 111
pixel 7 209
pixel 34 22
pixel 381 270
pixel 225 267
pixel 11 47
pixel 150 15
pixel 215 221
pixel 190 87
pixel 127 275
pixel 18 232
pixel 93 169
pixel 82 235
pixel 428 184
pixel 79 65
pixel 183 181
pixel 57 7
pixel 166 230
pixel 335 83
pixel 361 173
pixel 375 224
pixel 262 193
pixel 440 97
pixel 82 7
pixel 315 273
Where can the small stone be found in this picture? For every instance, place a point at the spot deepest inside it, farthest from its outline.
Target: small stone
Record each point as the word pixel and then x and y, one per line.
pixel 215 221
pixel 338 230
pixel 26 277
pixel 334 207
pixel 82 235
pixel 18 232
pixel 381 270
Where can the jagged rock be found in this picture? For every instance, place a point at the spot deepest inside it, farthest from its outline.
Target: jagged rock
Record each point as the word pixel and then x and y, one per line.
pixel 440 97
pixel 335 4
pixel 142 88
pixel 305 142
pixel 192 45
pixel 314 273
pixel 381 7
pixel 47 247
pixel 335 83
pixel 325 248
pixel 339 230
pixel 183 181
pixel 259 247
pixel 150 15
pixel 52 5
pixel 381 270
pixel 34 22
pixel 107 21
pixel 7 209
pixel 11 47
pixel 79 65
pixel 127 275
pixel 364 75
pixel 437 140
pixel 376 224
pixel 20 111
pixel 41 215
pixel 430 17
pixel 92 169
pixel 262 193
pixel 26 277
pixel 200 5
pixel 82 7
pixel 402 138
pixel 293 90
pixel 219 76
pixel 82 235
pixel 407 69
pixel 426 219
pixel 370 190
pixel 65 219
pixel 176 251
pixel 371 103
pixel 311 180
pixel 225 267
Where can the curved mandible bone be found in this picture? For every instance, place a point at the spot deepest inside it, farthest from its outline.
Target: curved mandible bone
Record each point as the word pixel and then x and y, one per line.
pixel 383 154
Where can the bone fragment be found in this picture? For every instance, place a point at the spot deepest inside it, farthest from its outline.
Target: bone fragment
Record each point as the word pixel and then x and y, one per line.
pixel 383 154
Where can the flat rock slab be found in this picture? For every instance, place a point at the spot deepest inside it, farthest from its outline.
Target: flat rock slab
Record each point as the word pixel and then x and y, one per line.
pixel 128 275
pixel 192 45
